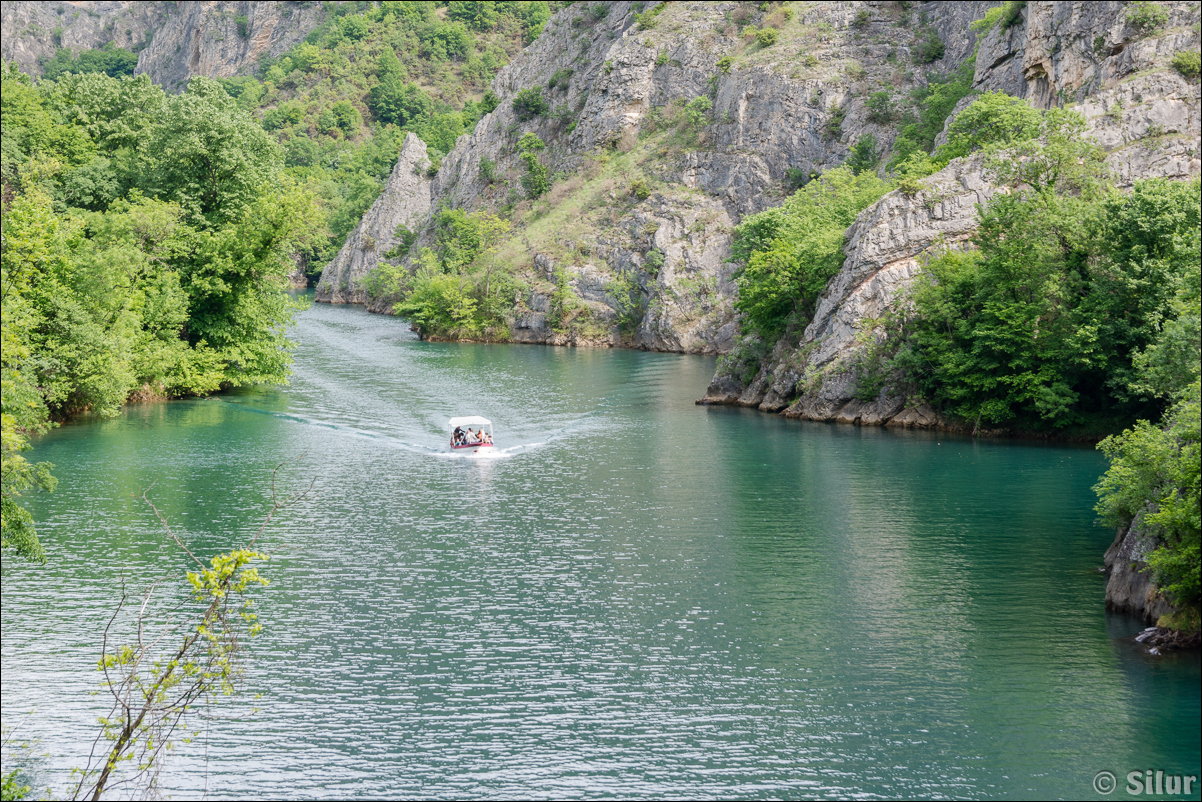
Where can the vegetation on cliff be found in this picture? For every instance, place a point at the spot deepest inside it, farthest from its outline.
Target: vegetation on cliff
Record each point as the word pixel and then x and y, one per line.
pixel 341 102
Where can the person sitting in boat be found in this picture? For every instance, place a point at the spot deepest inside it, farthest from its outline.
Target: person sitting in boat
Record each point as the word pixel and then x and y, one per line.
pixel 486 437
pixel 457 436
pixel 472 437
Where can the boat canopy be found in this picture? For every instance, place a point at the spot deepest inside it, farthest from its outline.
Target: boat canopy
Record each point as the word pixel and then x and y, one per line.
pixel 470 420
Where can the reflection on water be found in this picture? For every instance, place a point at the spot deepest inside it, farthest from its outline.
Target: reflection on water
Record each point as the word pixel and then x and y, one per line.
pixel 640 598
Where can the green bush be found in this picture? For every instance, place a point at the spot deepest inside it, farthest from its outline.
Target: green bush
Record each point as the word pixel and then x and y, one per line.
pixel 1188 63
pixel 880 107
pixel 646 20
pixel 724 64
pixel 833 129
pixel 1005 16
pixel 640 188
pixel 1146 16
pixel 791 251
pixel 861 19
pixel 530 103
pixel 111 60
pixel 560 78
pixel 1154 473
pixel 864 155
pixel 766 37
pixel 929 47
pixel 935 103
pixel 535 181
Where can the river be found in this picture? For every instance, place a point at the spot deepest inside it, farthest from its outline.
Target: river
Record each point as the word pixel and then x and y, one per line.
pixel 638 597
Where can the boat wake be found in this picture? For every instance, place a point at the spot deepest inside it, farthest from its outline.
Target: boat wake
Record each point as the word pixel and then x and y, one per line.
pixel 390 440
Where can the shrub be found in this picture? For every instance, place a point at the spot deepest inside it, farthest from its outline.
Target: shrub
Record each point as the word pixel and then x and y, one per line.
pixel 695 113
pixel 1147 17
pixel 488 170
pixel 929 47
pixel 993 118
pixel 880 107
pixel 653 262
pixel 792 250
pixel 861 20
pixel 1154 474
pixel 834 124
pixel 1004 16
pixel 530 103
pixel 535 181
pixel 243 25
pixel 560 78
pixel 724 64
pixel 640 189
pixel 1188 63
pixel 795 179
pixel 646 20
pixel 864 154
pixel 766 37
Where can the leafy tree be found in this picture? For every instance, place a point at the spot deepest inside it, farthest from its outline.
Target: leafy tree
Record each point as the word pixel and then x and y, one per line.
pixel 208 155
pixel 864 155
pixel 766 37
pixel 110 60
pixel 1041 325
pixel 880 107
pixel 994 118
pixel 791 251
pixel 535 180
pixel 530 103
pixel 929 47
pixel 1154 476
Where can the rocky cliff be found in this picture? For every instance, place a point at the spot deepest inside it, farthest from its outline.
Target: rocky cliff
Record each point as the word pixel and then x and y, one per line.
pixel 616 120
pixel 174 41
pixel 1129 585
pixel 1144 115
pixel 404 202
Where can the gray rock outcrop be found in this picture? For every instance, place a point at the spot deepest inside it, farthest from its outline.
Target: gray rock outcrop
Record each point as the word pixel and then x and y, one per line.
pixel 404 202
pixel 1129 585
pixel 1143 114
pixel 174 41
pixel 772 111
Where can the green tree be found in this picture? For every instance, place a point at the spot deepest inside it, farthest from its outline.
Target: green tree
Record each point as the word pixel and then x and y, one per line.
pixel 209 156
pixel 1154 477
pixel 535 181
pixel 791 251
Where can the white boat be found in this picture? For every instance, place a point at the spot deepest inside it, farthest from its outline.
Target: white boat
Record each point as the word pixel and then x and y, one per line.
pixel 461 440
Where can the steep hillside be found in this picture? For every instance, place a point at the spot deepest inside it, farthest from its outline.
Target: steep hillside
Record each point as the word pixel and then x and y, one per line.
pixel 174 41
pixel 1089 57
pixel 665 125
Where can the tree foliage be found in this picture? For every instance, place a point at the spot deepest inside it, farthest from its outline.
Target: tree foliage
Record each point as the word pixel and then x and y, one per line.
pixel 146 244
pixel 1069 288
pixel 459 289
pixel 1154 476
pixel 791 251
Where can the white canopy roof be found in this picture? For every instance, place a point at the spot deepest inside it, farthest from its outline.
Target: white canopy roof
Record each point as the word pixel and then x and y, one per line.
pixel 470 420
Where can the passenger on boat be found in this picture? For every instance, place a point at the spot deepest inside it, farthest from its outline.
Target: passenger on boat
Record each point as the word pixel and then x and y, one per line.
pixel 472 437
pixel 457 436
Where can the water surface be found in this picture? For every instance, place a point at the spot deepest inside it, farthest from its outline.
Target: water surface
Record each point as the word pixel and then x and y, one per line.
pixel 638 598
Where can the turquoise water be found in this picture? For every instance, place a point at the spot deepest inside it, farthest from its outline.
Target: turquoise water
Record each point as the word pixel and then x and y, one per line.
pixel 639 597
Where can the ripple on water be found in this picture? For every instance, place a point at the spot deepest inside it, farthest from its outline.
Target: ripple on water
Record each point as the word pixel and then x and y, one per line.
pixel 640 598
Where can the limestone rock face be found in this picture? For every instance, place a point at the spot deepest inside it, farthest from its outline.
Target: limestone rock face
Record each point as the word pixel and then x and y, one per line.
pixel 1129 586
pixel 1144 115
pixel 772 111
pixel 174 41
pixel 404 202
